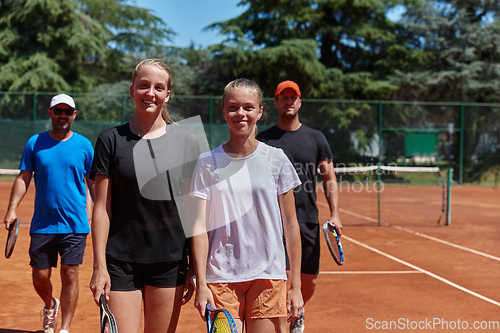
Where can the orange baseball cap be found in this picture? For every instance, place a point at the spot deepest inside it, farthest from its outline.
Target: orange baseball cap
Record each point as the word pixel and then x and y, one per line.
pixel 287 84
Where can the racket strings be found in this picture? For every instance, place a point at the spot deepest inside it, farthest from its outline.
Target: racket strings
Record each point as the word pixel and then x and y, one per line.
pixel 221 323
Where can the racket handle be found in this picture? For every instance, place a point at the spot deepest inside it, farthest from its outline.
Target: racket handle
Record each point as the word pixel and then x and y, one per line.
pixel 193 281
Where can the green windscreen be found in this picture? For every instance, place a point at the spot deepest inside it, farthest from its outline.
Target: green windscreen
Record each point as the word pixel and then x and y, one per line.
pixel 421 144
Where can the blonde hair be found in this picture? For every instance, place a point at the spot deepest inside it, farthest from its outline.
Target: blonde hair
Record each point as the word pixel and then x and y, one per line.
pixel 244 83
pixel 161 65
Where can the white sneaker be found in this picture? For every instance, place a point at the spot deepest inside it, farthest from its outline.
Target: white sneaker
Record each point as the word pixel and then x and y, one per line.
pixel 63 331
pixel 50 317
pixel 297 326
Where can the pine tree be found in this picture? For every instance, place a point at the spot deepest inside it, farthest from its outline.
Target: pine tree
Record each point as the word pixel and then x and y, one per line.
pixel 463 39
pixel 353 36
pixel 68 45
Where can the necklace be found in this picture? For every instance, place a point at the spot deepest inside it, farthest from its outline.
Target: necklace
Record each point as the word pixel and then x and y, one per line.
pixel 137 131
pixel 141 133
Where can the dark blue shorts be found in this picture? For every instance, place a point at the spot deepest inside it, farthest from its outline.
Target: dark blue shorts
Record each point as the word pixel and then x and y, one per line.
pixel 127 276
pixel 44 249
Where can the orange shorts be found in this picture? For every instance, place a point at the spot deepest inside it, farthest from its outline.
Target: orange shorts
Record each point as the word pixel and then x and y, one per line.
pixel 252 299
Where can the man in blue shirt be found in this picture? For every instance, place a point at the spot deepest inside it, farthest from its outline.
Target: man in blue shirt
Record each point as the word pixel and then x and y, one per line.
pixel 59 160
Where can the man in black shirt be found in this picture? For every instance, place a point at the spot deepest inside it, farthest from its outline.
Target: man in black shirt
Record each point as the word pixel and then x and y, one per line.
pixel 308 151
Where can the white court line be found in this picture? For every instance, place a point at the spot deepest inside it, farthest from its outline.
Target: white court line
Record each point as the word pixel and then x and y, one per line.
pixel 437 277
pixel 486 255
pixel 369 272
pixel 353 214
pixel 350 213
pixel 448 243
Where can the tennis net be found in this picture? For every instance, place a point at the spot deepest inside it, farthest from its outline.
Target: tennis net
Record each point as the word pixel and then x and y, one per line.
pixel 391 194
pixel 367 194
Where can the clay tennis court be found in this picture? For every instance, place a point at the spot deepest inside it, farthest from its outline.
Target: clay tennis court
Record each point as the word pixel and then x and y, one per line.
pixel 408 274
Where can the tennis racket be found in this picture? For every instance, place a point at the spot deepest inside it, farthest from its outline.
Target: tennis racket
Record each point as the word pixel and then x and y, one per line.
pixel 12 237
pixel 108 322
pixel 219 321
pixel 333 242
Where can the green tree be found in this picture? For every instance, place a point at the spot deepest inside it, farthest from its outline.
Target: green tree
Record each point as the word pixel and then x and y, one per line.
pixel 69 45
pixel 293 59
pixel 134 34
pixel 133 29
pixel 463 39
pixel 43 44
pixel 353 36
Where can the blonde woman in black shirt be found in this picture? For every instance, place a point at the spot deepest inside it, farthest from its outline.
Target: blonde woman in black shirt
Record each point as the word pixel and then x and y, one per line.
pixel 139 243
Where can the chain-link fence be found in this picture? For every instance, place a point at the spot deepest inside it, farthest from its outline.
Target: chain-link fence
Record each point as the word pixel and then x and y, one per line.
pixel 463 136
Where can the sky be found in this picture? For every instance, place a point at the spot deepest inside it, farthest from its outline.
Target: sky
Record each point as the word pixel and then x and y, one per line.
pixel 188 18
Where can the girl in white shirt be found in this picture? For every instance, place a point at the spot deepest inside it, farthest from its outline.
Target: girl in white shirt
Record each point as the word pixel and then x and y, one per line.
pixel 245 203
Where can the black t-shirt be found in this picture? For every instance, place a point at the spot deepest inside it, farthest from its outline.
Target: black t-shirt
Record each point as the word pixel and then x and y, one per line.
pixel 145 226
pixel 305 148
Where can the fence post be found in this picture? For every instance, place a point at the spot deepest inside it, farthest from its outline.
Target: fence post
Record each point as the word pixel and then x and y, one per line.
pixel 210 120
pixel 379 175
pixel 462 134
pixel 35 98
pixel 123 108
pixel 211 110
pixel 448 196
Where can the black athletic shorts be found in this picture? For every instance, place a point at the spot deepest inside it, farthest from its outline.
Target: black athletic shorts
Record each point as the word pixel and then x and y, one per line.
pixel 126 276
pixel 309 236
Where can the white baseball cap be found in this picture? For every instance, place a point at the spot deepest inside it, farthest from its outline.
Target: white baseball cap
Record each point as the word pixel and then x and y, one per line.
pixel 62 98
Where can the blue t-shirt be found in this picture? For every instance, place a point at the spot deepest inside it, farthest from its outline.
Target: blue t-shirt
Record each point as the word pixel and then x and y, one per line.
pixel 59 169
